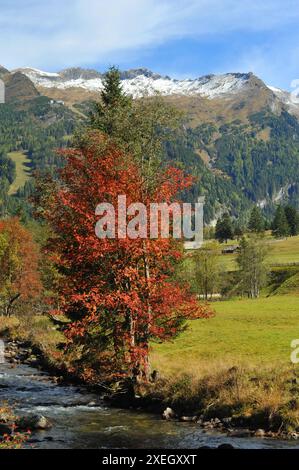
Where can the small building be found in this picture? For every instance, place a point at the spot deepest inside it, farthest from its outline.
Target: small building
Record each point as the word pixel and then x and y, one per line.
pixel 230 250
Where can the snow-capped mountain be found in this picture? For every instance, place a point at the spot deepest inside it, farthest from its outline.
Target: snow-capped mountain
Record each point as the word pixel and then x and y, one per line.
pixel 143 82
pixel 290 99
pixel 78 84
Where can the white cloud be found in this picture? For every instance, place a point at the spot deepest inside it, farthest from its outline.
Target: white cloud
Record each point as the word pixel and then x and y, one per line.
pixel 56 33
pixel 277 63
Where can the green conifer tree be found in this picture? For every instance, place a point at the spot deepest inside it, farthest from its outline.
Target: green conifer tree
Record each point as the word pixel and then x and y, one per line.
pixel 256 222
pixel 293 219
pixel 114 102
pixel 224 229
pixel 280 226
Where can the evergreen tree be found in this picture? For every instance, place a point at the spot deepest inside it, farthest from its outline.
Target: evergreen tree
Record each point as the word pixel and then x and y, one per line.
pixel 114 102
pixel 293 219
pixel 139 128
pixel 112 93
pixel 224 229
pixel 280 226
pixel 238 231
pixel 256 222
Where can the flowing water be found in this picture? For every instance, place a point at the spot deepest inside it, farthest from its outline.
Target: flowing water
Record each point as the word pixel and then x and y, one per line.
pixel 81 420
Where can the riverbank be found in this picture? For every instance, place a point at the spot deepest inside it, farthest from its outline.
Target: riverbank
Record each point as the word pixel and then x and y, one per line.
pixel 184 401
pixel 81 420
pixel 197 377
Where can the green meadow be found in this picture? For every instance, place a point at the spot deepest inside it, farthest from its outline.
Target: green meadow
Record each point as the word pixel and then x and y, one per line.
pixel 242 331
pixel 22 170
pixel 248 332
pixel 281 251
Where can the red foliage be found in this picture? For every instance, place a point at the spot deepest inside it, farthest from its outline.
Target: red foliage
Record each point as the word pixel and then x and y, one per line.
pixel 119 288
pixel 19 274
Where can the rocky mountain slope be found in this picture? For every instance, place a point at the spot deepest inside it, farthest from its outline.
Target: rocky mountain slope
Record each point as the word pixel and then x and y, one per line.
pixel 18 87
pixel 143 82
pixel 240 139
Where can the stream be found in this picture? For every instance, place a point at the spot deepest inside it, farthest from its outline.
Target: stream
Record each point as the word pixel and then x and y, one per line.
pixel 81 420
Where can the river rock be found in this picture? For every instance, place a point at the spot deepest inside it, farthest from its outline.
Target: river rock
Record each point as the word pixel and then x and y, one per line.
pixel 226 421
pixel 188 419
pixel 34 422
pixel 216 422
pixel 32 359
pixel 240 433
pixel 225 446
pixel 259 433
pixel 91 403
pixel 168 414
pixel 208 425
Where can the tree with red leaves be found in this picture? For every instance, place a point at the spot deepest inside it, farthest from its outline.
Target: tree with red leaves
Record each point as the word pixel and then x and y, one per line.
pixel 118 292
pixel 19 273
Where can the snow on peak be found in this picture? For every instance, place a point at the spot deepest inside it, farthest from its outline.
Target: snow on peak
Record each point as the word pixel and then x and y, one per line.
pixel 142 82
pixel 290 99
pixel 33 73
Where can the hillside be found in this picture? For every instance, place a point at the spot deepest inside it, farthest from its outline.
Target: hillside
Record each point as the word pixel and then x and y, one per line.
pixel 31 130
pixel 18 87
pixel 240 137
pixel 224 91
pixel 23 173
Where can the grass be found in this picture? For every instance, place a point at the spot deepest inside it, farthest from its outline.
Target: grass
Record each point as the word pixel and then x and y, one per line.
pixel 22 171
pixel 250 332
pixel 38 330
pixel 290 285
pixel 236 364
pixel 282 251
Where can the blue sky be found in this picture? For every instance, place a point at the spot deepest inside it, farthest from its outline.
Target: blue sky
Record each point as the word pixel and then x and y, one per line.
pixel 181 38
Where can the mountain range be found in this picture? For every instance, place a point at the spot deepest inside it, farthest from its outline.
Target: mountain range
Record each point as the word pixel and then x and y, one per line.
pixel 143 82
pixel 241 136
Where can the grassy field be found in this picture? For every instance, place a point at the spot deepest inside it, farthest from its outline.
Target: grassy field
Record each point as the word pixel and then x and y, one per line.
pixel 284 251
pixel 243 332
pixel 281 251
pixel 22 170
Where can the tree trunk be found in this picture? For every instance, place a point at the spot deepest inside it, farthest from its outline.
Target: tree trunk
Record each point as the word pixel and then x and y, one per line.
pixel 10 304
pixel 149 315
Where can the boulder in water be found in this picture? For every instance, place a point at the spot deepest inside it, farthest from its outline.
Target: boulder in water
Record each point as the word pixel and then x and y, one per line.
pixel 240 433
pixel 186 419
pixel 259 433
pixel 225 446
pixel 34 422
pixel 168 414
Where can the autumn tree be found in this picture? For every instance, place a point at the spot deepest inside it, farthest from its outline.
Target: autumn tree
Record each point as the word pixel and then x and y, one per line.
pixel 118 292
pixel 19 273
